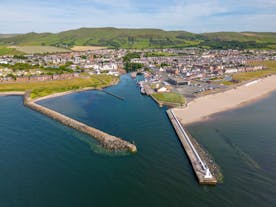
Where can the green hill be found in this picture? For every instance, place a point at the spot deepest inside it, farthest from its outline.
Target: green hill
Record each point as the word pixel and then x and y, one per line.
pixel 7 35
pixel 144 38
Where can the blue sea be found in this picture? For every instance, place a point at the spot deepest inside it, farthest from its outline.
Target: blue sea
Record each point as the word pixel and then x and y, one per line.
pixel 46 164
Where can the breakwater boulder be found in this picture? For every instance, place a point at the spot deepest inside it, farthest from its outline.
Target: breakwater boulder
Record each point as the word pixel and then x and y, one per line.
pixel 109 142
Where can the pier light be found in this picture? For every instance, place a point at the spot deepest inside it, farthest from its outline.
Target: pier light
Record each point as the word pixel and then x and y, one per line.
pixel 208 174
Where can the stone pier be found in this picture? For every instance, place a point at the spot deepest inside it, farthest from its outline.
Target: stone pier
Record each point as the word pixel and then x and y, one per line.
pixel 109 142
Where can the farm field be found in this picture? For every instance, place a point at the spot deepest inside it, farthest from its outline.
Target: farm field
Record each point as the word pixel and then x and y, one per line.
pixel 39 49
pixel 86 48
pixel 9 51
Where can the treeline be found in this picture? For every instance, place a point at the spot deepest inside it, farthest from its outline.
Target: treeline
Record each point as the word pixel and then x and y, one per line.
pixel 219 44
pixel 128 65
pixel 47 70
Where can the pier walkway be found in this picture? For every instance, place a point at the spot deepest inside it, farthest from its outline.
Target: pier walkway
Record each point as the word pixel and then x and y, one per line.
pixel 201 170
pixel 114 95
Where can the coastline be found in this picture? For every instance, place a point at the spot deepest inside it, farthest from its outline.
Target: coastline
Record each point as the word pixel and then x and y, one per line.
pixel 12 93
pixel 200 109
pixel 22 93
pixel 108 141
pixel 63 94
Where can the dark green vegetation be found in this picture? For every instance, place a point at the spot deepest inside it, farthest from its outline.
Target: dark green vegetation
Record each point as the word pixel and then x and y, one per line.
pixel 45 70
pixel 145 38
pixel 129 66
pixel 158 54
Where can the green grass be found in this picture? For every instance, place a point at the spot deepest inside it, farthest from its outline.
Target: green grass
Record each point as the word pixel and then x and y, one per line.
pixel 169 97
pixel 227 83
pixel 41 89
pixel 9 51
pixel 247 76
pixel 144 38
pixel 271 69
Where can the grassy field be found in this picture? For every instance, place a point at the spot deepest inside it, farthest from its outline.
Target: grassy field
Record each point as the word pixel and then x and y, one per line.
pixel 247 76
pixel 86 48
pixel 41 89
pixel 169 97
pixel 9 51
pixel 271 69
pixel 39 49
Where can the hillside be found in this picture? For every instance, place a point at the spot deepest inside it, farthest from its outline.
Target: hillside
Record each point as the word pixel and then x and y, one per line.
pixel 7 35
pixel 243 39
pixel 144 38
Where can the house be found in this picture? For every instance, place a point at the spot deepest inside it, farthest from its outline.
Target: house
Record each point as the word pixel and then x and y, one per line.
pixel 227 71
pixel 178 81
pixel 162 90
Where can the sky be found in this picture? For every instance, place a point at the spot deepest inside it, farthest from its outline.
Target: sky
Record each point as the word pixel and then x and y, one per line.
pixel 198 16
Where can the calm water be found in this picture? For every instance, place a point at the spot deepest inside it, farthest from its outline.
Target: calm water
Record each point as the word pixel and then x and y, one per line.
pixel 44 163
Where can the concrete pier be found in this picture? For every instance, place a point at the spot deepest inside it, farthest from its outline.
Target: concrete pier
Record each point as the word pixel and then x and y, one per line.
pixel 109 142
pixel 201 170
pixel 114 95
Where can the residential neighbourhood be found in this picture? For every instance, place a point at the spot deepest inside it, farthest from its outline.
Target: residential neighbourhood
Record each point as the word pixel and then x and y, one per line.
pixel 185 71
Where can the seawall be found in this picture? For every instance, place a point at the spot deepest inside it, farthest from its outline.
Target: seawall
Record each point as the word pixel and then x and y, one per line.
pixel 12 93
pixel 109 142
pixel 200 167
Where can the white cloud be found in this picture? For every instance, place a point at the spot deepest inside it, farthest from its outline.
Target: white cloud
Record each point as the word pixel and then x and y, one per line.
pixel 200 16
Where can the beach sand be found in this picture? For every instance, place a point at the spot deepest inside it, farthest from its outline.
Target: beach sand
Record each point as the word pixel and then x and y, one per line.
pixel 201 108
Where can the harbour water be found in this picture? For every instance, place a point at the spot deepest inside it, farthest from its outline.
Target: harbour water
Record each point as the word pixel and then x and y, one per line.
pixel 44 163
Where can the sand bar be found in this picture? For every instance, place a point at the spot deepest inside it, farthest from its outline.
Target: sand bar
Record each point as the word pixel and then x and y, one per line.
pixel 201 108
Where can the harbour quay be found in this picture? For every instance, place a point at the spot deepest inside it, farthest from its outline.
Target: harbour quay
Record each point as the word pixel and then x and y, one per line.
pixel 200 167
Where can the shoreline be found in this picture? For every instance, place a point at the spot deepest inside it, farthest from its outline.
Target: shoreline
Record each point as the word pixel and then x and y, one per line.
pixel 12 93
pixel 22 93
pixel 63 93
pixel 200 109
pixel 107 141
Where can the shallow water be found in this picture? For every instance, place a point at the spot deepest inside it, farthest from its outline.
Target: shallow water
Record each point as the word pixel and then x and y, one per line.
pixel 44 163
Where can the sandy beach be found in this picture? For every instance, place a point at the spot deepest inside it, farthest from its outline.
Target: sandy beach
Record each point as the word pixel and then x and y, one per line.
pixel 201 108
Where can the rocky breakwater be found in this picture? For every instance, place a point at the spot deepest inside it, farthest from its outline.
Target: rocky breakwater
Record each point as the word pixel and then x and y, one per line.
pixel 109 142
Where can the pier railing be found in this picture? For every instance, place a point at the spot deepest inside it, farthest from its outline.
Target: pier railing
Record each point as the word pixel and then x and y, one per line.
pixel 190 144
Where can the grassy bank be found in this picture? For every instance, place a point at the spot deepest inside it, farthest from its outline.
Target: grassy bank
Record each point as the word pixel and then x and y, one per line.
pixel 169 98
pixel 41 89
pixel 270 69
